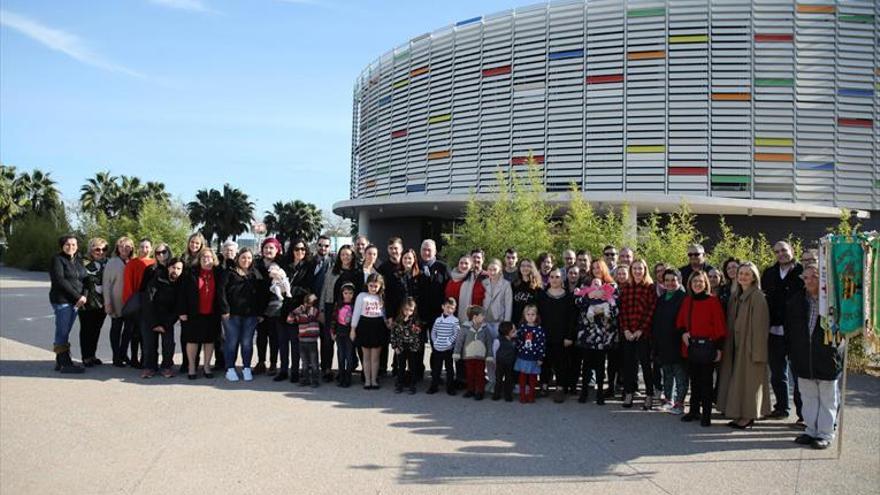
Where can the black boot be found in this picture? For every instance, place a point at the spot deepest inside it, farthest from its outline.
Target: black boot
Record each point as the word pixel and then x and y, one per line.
pixel 64 363
pixel 706 416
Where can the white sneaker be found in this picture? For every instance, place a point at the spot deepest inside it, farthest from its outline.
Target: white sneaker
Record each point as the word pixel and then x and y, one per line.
pixel 231 375
pixel 676 410
pixel 247 374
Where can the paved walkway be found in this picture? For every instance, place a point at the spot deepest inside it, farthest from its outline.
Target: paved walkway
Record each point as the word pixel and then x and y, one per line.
pixel 108 431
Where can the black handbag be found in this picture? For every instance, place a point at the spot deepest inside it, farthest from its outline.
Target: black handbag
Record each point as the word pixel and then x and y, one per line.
pixel 700 350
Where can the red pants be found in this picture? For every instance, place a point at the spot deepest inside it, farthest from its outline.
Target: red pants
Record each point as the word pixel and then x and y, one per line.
pixel 474 375
pixel 532 381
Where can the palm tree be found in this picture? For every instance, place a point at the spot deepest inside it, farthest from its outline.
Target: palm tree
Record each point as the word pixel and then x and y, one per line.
pixel 156 191
pixel 203 210
pixel 293 220
pixel 40 194
pixel 11 197
pixel 235 213
pixel 100 195
pixel 130 198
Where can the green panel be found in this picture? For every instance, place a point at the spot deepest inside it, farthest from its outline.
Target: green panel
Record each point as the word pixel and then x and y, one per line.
pixel 650 12
pixel 384 169
pixel 400 84
pixel 439 118
pixel 730 179
pixel 860 18
pixel 693 38
pixel 774 82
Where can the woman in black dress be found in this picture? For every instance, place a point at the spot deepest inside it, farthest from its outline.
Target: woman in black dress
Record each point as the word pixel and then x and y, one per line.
pixel 199 306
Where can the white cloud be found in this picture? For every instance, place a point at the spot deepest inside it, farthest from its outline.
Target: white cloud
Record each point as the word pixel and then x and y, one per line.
pixel 61 41
pixel 191 5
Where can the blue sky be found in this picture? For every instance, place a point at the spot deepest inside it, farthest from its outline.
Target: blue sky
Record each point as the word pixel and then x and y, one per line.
pixel 195 93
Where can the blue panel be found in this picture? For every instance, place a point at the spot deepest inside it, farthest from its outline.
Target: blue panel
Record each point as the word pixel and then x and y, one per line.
pixel 861 93
pixel 815 166
pixel 469 21
pixel 384 100
pixel 415 188
pixel 566 54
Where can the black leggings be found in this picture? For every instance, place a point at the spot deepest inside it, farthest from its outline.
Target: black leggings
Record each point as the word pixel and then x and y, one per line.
pixel 635 353
pixel 701 386
pixel 267 336
pixel 594 360
pixel 90 323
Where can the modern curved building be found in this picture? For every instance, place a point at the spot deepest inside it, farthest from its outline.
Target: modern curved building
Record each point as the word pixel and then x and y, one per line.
pixel 762 108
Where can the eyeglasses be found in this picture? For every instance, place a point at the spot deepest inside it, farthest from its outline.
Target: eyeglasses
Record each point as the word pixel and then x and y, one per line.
pixel 101 249
pixel 694 255
pixel 323 245
pixel 163 252
pixel 610 253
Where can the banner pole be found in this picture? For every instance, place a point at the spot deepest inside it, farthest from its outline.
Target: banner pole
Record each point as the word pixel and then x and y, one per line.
pixel 842 399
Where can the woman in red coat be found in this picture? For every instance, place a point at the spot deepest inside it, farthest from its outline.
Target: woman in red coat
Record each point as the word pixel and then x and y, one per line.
pixel 702 320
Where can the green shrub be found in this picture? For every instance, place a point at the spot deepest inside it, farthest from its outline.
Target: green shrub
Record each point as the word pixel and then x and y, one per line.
pixel 665 238
pixel 585 228
pixel 159 221
pixel 34 240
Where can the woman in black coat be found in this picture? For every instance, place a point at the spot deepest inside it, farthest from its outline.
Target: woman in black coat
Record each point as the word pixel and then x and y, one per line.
pixel 242 304
pixel 91 314
pixel 300 269
pixel 66 294
pixel 199 306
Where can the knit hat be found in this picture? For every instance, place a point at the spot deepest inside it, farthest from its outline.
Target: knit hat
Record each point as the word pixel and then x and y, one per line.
pixel 273 241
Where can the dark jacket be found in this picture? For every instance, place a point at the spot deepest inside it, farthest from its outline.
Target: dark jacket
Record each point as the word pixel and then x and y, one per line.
pixel 398 286
pixel 160 300
pixel 686 272
pixel 667 337
pixel 188 299
pixel 505 355
pixel 558 317
pixel 810 357
pixel 243 295
pixel 779 290
pixel 432 290
pixel 92 284
pixel 66 274
pixel 322 266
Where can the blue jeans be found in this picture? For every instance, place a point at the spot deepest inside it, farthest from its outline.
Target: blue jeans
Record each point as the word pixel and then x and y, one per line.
pixel 65 315
pixel 344 352
pixel 675 378
pixel 239 331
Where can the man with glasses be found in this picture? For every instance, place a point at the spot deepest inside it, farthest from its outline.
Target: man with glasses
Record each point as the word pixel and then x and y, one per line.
pixel 816 364
pixel 323 263
pixel 511 267
pixel 696 261
pixel 779 282
pixel 569 259
pixel 610 255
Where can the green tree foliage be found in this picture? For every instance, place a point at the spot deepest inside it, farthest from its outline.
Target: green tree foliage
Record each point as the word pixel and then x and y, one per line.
pixel 517 217
pixel 665 238
pixel 584 228
pixel 158 220
pixel 225 214
pixel 120 196
pixel 34 240
pixel 293 220
pixel 24 193
pixel 730 245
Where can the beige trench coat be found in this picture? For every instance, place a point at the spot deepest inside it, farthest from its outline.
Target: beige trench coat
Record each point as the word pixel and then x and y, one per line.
pixel 744 386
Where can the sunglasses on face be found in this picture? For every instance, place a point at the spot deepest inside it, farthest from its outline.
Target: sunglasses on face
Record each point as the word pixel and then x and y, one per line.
pixel 323 245
pixel 101 249
pixel 610 254
pixel 161 252
pixel 694 255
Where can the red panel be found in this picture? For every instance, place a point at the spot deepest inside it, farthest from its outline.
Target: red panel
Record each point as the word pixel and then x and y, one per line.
pixel 613 78
pixel 771 38
pixel 522 160
pixel 399 133
pixel 688 171
pixel 855 122
pixel 496 71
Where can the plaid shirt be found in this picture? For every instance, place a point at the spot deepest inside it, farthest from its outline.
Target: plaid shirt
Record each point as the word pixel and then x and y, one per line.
pixel 637 304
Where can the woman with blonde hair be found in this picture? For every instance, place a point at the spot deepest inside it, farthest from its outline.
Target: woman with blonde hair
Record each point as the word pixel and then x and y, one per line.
pixel 199 307
pixel 638 297
pixel 194 245
pixel 112 281
pixel 91 314
pixel 743 391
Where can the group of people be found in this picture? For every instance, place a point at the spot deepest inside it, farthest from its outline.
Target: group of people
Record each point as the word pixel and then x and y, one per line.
pixel 496 328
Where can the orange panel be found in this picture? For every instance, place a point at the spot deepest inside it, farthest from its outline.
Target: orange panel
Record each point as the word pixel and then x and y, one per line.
pixel 731 96
pixel 774 157
pixel 645 55
pixel 436 155
pixel 815 9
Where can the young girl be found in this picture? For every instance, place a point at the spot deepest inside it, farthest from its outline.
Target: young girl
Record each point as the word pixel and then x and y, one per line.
pixel 530 348
pixel 306 318
pixel 405 341
pixel 474 347
pixel 341 334
pixel 368 329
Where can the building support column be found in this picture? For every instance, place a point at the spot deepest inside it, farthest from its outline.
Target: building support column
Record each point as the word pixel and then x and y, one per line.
pixel 364 222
